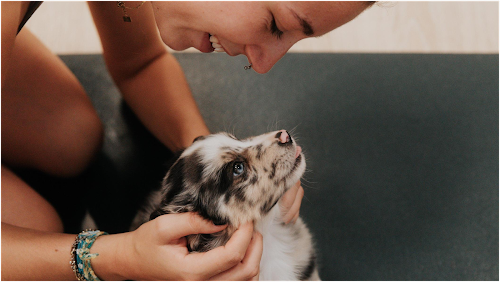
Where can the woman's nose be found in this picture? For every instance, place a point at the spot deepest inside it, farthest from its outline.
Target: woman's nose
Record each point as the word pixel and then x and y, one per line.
pixel 263 59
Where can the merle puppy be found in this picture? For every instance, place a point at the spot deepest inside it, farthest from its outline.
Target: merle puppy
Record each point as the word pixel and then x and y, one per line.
pixel 231 181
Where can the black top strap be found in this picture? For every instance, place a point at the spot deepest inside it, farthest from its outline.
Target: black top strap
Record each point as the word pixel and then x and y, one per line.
pixel 31 9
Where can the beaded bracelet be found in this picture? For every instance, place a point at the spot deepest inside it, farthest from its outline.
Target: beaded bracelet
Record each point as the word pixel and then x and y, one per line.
pixel 81 256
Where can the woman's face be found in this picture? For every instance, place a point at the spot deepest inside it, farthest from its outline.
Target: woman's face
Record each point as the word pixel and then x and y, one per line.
pixel 262 31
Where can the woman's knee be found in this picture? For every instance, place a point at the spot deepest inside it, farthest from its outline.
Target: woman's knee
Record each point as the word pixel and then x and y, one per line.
pixel 60 138
pixel 48 121
pixel 79 137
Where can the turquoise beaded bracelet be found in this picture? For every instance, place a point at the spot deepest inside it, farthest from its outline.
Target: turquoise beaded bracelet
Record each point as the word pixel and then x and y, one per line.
pixel 81 256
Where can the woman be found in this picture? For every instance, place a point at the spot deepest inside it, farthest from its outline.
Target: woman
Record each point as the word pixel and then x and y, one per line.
pixel 48 123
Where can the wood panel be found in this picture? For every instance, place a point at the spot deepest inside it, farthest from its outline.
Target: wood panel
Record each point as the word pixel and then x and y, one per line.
pixel 395 27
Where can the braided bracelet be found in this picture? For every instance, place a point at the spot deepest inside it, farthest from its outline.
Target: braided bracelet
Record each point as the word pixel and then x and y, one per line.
pixel 81 256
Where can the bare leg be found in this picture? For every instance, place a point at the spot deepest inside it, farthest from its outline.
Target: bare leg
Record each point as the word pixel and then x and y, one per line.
pixel 48 122
pixel 23 207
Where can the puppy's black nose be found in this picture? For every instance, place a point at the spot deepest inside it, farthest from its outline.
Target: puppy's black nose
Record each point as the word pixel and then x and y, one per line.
pixel 283 137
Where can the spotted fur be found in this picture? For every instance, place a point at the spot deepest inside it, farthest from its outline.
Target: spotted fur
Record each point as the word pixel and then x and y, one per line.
pixel 231 181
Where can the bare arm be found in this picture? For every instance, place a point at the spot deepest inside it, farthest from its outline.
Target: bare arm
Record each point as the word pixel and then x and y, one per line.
pixel 153 83
pixel 150 79
pixel 155 251
pixel 33 255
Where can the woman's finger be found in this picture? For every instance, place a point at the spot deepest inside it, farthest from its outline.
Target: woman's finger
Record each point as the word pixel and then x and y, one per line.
pixel 295 218
pixel 222 258
pixel 251 261
pixel 288 198
pixel 295 207
pixel 248 268
pixel 175 226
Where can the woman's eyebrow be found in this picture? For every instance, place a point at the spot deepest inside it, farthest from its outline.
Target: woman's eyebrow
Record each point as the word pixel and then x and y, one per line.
pixel 306 26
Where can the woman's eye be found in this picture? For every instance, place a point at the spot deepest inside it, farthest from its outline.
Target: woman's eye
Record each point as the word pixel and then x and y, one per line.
pixel 238 168
pixel 275 30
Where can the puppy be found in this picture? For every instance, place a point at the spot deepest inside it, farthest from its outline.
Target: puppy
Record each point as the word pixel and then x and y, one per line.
pixel 231 181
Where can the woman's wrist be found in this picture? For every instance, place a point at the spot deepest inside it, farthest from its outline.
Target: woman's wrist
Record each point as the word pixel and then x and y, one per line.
pixel 112 262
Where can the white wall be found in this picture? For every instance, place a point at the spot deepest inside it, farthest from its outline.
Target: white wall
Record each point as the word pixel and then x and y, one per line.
pixel 421 27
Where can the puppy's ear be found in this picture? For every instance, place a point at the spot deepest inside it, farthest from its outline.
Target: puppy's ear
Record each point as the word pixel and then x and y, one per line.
pixel 209 211
pixel 173 183
pixel 207 202
pixel 199 138
pixel 171 161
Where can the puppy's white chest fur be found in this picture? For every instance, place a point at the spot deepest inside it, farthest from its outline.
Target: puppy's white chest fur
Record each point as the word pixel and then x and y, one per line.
pixel 287 251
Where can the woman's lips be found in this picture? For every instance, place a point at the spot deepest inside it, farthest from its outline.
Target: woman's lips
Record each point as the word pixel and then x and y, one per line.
pixel 206 45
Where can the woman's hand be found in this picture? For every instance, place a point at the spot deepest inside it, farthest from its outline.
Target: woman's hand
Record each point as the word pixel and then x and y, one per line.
pixel 290 203
pixel 157 251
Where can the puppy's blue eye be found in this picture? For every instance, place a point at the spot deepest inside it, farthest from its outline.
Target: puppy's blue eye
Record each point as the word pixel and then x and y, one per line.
pixel 238 168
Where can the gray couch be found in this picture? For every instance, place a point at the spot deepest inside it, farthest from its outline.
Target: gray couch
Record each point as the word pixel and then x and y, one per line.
pixel 402 151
